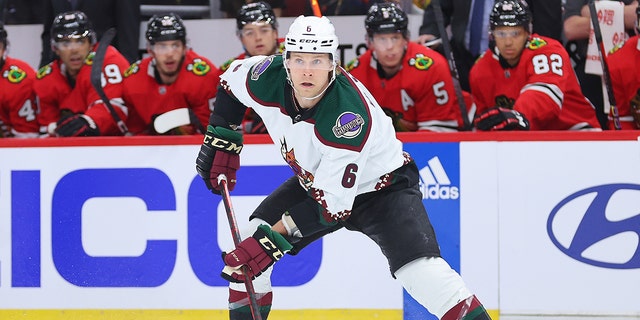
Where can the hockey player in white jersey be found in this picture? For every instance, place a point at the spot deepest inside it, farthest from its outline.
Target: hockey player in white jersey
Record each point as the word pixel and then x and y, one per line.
pixel 349 171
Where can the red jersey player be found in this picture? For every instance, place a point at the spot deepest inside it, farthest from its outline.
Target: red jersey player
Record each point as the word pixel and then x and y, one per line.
pixel 527 81
pixel 18 108
pixel 257 29
pixel 412 83
pixel 173 89
pixel 624 64
pixel 67 98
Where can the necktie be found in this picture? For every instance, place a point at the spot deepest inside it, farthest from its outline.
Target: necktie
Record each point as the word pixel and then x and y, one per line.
pixel 475 27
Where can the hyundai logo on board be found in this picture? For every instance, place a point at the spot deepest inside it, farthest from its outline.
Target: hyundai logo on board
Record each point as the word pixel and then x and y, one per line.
pixel 599 226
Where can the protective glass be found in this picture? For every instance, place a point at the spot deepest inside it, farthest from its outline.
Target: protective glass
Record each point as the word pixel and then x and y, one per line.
pixel 162 48
pixel 69 44
pixel 386 40
pixel 252 33
pixel 318 63
pixel 502 34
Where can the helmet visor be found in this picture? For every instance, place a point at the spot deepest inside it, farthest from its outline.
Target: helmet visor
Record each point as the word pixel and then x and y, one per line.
pixel 310 62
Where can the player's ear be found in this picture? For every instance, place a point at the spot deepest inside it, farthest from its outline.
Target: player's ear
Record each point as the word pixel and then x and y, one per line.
pixel 368 40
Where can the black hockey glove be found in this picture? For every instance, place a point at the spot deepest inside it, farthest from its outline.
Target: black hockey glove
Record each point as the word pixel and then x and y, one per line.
pixel 257 252
pixel 400 124
pixel 501 119
pixel 219 154
pixel 76 125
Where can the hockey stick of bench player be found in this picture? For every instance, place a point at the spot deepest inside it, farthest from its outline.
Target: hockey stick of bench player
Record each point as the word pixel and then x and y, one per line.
pixel 606 77
pixel 96 77
pixel 235 234
pixel 316 8
pixel 446 46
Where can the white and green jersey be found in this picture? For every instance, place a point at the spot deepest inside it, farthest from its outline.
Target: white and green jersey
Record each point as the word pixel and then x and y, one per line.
pixel 342 147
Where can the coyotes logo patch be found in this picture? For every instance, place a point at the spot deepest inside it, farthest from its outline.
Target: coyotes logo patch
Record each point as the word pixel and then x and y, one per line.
pixel 261 67
pixel 348 125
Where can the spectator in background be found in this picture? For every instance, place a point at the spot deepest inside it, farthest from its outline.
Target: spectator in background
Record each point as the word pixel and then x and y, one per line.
pixel 124 15
pixel 18 104
pixel 177 6
pixel 624 63
pixel 526 81
pixel 342 8
pixel 21 11
pixel 257 29
pixel 547 17
pixel 230 8
pixel 411 83
pixel 173 89
pixel 69 105
pixel 469 23
pixel 577 28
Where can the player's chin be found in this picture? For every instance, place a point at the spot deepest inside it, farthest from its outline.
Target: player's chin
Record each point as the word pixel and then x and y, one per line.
pixel 170 71
pixel 390 61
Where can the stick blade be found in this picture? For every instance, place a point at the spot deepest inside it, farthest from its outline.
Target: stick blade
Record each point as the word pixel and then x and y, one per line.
pixel 171 119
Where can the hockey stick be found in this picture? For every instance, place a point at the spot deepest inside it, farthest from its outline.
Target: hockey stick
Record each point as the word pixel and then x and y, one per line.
pixel 316 8
pixel 96 77
pixel 606 77
pixel 235 234
pixel 446 46
pixel 176 118
pixel 465 308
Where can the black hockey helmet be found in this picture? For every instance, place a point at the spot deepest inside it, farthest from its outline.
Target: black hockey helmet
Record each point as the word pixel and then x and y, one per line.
pixel 3 35
pixel 386 17
pixel 166 27
pixel 510 13
pixel 256 12
pixel 72 25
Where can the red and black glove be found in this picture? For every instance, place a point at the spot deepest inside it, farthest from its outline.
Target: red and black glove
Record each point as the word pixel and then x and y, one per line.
pixel 257 252
pixel 219 154
pixel 76 125
pixel 501 119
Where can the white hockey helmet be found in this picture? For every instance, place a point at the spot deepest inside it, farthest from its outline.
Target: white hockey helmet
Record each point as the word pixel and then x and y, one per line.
pixel 312 34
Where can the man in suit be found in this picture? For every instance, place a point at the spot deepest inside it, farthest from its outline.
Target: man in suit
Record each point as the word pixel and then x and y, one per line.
pixel 124 15
pixel 469 23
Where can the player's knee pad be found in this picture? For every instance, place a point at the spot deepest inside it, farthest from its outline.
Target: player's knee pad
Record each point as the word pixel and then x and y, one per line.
pixel 433 283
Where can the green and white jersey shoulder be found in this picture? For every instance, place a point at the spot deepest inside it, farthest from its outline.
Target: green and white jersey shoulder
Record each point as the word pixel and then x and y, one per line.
pixel 342 146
